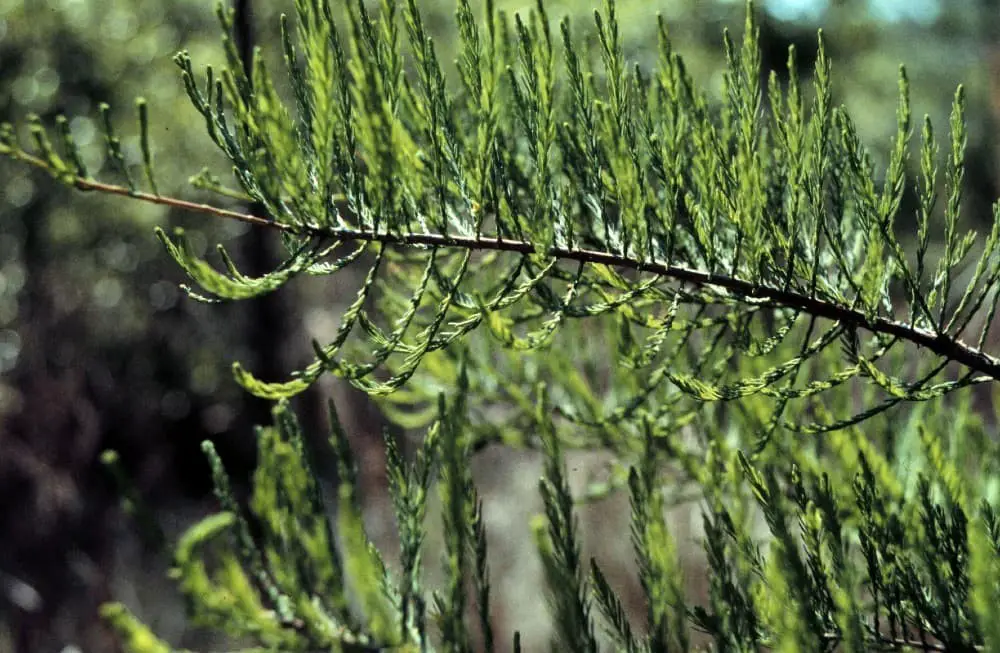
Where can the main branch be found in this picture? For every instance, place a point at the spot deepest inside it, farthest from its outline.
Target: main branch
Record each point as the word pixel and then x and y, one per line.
pixel 940 343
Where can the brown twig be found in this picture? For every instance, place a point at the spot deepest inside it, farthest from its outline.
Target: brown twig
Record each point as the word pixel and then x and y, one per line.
pixel 940 343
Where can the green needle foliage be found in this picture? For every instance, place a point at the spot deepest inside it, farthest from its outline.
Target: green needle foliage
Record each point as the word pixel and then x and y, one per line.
pixel 586 254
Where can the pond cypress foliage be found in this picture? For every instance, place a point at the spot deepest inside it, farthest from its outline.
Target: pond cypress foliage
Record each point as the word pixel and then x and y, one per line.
pixel 566 251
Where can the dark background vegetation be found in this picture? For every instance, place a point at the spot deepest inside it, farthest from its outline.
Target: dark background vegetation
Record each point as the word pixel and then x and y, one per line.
pixel 100 350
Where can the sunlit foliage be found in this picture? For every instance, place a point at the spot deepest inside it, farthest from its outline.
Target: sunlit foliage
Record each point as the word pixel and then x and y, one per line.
pixel 582 253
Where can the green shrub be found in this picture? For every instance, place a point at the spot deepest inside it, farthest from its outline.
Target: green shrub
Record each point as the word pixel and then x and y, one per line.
pixel 564 251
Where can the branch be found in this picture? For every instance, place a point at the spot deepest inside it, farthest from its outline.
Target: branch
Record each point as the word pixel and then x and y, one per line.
pixel 940 343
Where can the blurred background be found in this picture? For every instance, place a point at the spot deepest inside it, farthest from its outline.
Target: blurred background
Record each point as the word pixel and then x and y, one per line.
pixel 99 349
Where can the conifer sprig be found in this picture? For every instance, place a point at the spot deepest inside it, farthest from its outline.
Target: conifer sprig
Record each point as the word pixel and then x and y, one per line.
pixel 614 197
pixel 719 256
